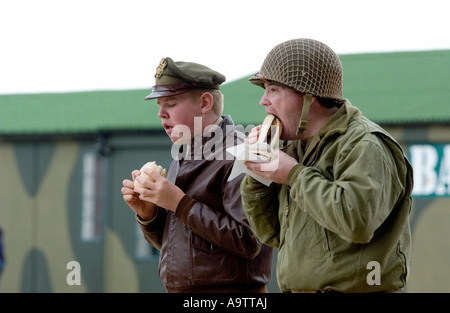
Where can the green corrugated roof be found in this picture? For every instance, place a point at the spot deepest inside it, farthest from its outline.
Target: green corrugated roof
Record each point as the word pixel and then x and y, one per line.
pixel 77 112
pixel 390 88
pixel 398 88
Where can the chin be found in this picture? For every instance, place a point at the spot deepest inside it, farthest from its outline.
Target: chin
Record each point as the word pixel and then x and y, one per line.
pixel 180 141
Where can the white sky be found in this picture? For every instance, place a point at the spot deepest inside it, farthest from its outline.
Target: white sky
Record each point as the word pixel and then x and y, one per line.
pixel 77 45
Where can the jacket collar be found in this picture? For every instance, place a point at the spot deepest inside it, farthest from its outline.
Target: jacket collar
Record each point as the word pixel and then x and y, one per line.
pixel 195 148
pixel 338 123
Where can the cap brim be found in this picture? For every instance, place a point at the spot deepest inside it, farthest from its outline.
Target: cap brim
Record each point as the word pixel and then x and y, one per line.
pixel 160 94
pixel 168 90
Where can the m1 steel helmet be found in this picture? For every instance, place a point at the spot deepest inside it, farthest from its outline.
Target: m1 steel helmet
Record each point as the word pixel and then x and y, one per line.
pixel 307 66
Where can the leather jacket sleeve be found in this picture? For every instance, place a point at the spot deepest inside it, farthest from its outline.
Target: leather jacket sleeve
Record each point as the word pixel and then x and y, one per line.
pixel 154 229
pixel 227 229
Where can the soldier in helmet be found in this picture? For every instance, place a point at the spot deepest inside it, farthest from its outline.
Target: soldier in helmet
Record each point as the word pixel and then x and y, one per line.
pixel 338 208
pixel 194 216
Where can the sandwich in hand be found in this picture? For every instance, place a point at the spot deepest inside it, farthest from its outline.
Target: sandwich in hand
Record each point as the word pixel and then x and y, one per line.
pixel 152 166
pixel 269 137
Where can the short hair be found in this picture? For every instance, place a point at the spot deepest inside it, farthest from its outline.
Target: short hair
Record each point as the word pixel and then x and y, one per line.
pixel 326 102
pixel 217 98
pixel 330 103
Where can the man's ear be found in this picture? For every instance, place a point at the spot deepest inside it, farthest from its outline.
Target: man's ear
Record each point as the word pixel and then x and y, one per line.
pixel 207 102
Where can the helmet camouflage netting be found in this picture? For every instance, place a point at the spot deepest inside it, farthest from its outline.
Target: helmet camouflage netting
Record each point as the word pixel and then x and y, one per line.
pixel 305 65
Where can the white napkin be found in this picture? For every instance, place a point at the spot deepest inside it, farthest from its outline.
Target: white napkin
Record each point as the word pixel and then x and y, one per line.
pixel 245 152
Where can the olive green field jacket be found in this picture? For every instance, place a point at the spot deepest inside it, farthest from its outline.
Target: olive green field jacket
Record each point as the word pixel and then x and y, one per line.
pixel 342 222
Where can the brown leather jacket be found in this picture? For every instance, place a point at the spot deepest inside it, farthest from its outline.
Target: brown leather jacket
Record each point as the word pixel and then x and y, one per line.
pixel 208 243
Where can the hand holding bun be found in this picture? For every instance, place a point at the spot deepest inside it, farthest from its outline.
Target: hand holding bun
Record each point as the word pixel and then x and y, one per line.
pixel 270 127
pixel 152 166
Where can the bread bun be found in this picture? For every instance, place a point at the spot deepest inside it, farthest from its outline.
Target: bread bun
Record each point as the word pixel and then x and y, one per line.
pixel 152 166
pixel 270 131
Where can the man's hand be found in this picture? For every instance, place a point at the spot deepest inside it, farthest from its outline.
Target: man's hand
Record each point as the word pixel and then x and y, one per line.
pixel 253 135
pixel 277 170
pixel 162 192
pixel 146 210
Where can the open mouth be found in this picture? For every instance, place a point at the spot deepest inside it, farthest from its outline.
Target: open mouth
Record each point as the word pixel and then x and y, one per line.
pixel 168 128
